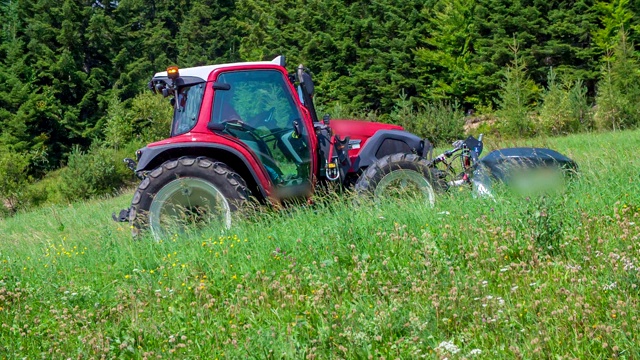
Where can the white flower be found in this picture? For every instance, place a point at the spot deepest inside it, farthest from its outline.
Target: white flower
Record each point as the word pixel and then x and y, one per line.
pixel 475 352
pixel 449 347
pixel 610 286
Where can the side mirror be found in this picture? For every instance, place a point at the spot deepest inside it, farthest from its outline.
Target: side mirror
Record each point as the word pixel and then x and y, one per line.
pixel 308 83
pixel 305 80
pixel 221 86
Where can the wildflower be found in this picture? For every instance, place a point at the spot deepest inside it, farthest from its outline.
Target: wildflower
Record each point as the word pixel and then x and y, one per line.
pixel 449 347
pixel 475 352
pixel 610 286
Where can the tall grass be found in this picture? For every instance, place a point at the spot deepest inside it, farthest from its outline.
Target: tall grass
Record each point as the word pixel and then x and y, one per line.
pixel 520 277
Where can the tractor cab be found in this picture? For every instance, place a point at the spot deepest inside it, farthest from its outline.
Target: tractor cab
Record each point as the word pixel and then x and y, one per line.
pixel 253 107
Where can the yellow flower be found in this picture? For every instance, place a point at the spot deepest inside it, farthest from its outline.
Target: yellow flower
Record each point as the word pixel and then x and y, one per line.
pixel 127 276
pixel 234 277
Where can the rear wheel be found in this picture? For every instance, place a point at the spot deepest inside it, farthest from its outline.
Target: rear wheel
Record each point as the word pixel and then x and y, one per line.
pixel 400 176
pixel 184 194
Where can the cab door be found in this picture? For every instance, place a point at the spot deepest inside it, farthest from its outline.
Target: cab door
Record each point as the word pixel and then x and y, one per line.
pixel 258 109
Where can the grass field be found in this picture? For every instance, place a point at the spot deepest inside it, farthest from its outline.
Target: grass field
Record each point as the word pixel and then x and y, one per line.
pixel 541 277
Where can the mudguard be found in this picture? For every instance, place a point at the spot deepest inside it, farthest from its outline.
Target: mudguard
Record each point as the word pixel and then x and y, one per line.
pixel 150 157
pixel 502 162
pixel 387 142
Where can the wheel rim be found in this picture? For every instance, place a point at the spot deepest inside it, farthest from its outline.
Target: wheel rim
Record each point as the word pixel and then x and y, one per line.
pixel 187 203
pixel 404 183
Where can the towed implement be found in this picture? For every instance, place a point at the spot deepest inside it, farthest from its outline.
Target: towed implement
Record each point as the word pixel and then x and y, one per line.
pixel 247 132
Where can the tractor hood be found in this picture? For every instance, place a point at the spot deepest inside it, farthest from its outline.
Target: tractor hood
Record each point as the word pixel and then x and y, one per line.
pixel 369 141
pixel 359 132
pixel 358 129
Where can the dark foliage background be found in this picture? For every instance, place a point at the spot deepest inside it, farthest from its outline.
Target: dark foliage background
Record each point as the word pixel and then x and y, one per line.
pixel 71 71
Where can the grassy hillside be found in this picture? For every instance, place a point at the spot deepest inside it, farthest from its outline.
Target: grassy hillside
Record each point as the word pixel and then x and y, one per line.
pixel 516 278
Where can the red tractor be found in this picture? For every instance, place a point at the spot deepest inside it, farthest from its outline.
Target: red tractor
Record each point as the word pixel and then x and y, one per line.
pixel 249 131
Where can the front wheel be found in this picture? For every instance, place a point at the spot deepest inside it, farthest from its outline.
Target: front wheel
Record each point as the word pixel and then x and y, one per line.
pixel 401 176
pixel 186 193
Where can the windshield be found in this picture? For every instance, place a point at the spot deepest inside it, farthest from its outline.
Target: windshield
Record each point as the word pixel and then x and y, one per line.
pixel 187 108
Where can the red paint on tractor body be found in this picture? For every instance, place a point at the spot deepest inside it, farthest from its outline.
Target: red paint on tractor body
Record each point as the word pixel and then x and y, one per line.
pixel 359 130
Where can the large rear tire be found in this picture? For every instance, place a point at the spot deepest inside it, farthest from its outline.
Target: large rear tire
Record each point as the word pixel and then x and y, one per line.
pixel 401 175
pixel 186 193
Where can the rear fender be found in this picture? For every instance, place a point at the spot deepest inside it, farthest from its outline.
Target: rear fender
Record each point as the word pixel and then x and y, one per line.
pixel 153 157
pixel 387 142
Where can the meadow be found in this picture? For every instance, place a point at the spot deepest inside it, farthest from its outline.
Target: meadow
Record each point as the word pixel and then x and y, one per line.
pixel 554 276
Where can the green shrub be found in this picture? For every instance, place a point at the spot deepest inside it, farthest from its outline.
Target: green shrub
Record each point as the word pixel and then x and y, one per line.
pixel 516 95
pixel 440 122
pixel 145 118
pixel 564 108
pixel 98 171
pixel 152 115
pixel 43 191
pixel 119 128
pixel 618 90
pixel 13 178
pixel 338 110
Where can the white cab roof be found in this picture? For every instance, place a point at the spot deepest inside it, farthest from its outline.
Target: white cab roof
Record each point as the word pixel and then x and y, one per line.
pixel 203 72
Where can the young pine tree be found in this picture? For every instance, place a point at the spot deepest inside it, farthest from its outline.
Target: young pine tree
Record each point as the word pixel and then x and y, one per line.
pixel 516 95
pixel 619 88
pixel 564 107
